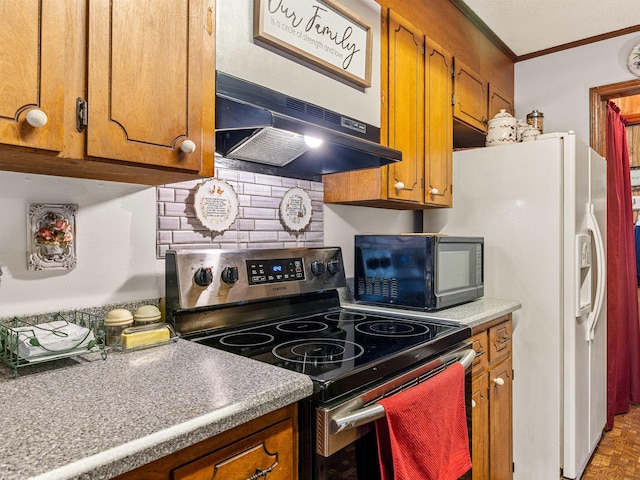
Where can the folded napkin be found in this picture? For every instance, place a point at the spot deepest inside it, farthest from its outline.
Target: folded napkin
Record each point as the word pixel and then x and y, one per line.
pixel 424 433
pixel 51 338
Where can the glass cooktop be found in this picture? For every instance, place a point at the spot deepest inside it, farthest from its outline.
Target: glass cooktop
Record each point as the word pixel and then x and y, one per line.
pixel 341 350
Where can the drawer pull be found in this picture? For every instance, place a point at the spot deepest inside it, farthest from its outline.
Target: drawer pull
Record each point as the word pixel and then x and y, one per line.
pixel 498 381
pixel 263 473
pixel 473 404
pixel 504 339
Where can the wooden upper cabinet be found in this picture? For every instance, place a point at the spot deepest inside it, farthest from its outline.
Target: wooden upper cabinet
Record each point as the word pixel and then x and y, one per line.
pixel 151 82
pixel 438 126
pixel 470 93
pixel 406 125
pixel 499 100
pixel 416 111
pixel 32 62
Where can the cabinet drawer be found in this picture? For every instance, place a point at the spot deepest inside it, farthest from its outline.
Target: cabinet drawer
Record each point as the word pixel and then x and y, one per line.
pixel 500 342
pixel 268 453
pixel 480 346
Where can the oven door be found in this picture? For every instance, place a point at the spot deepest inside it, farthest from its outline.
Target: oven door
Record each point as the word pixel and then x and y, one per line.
pixel 341 439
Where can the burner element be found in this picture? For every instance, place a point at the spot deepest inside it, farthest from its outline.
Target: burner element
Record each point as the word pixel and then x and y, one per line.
pixel 393 328
pixel 246 339
pixel 317 351
pixel 345 317
pixel 302 326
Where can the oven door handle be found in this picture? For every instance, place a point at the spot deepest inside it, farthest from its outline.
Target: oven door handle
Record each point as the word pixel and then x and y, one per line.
pixel 349 420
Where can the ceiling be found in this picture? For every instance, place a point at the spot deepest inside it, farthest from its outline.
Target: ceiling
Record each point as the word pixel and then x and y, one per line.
pixel 532 26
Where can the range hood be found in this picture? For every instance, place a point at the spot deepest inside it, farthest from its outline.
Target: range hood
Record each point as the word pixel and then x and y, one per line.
pixel 260 125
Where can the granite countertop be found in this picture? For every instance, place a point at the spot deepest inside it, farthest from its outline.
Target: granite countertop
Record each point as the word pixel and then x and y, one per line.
pixel 472 314
pixel 88 418
pixel 478 312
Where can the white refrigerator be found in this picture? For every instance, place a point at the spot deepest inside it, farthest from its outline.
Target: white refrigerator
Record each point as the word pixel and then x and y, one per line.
pixel 541 207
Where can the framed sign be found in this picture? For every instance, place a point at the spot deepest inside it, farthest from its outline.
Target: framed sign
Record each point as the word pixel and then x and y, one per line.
pixel 635 176
pixel 321 32
pixel 295 210
pixel 216 204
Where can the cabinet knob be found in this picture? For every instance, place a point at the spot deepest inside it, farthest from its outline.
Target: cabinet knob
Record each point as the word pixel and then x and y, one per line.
pixel 434 191
pixel 498 381
pixel 37 118
pixel 473 404
pixel 399 186
pixel 188 146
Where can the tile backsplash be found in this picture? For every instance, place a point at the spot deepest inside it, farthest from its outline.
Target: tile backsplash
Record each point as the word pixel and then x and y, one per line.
pixel 258 224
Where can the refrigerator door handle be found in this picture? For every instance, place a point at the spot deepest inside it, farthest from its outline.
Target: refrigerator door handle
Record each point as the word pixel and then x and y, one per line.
pixel 592 319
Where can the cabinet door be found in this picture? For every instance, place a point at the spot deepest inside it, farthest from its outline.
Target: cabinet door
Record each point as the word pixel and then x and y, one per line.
pixel 438 126
pixel 501 418
pixel 267 454
pixel 152 82
pixel 470 97
pixel 32 62
pixel 498 100
pixel 480 427
pixel 406 108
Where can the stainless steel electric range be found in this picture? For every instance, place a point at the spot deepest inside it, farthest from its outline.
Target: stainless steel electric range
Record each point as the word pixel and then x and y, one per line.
pixel 283 307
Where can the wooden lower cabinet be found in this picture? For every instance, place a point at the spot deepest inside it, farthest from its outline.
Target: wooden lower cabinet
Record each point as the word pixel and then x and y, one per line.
pixel 492 417
pixel 264 448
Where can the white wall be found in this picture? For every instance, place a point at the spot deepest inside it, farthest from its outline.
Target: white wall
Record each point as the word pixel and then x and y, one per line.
pixel 115 241
pixel 558 84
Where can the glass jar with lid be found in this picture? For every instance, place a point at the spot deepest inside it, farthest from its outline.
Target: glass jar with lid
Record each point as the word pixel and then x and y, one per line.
pixel 115 322
pixel 536 120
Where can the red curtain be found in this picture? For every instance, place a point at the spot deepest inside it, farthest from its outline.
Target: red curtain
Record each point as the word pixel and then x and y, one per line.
pixel 623 326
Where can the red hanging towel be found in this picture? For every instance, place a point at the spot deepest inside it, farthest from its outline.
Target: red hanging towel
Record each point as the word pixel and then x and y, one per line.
pixel 424 433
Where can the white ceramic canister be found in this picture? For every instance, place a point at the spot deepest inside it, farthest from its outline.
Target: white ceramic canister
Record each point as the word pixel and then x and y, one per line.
pixel 501 129
pixel 530 133
pixel 521 126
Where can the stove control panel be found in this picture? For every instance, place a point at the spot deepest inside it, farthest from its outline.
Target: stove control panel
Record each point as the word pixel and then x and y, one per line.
pixel 275 270
pixel 212 277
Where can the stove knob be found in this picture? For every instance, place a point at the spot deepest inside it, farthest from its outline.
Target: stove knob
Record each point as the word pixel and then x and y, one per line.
pixel 333 266
pixel 229 275
pixel 317 268
pixel 203 276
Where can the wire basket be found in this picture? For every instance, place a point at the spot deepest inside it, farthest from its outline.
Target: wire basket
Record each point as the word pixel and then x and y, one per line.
pixel 43 338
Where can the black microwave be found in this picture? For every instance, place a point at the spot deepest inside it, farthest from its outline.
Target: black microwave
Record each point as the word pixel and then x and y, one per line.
pixel 428 272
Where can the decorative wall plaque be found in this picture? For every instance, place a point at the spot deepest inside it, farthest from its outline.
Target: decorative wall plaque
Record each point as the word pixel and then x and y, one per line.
pixel 216 205
pixel 295 209
pixel 321 32
pixel 51 236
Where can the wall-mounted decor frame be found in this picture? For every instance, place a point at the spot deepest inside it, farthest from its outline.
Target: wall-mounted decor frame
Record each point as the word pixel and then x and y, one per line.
pixel 320 32
pixel 51 236
pixel 216 204
pixel 295 210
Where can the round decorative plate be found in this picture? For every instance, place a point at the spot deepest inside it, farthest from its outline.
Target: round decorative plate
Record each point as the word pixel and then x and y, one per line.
pixel 216 204
pixel 633 61
pixel 295 209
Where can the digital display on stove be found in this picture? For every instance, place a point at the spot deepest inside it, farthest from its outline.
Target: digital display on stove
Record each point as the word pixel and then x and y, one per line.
pixel 262 272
